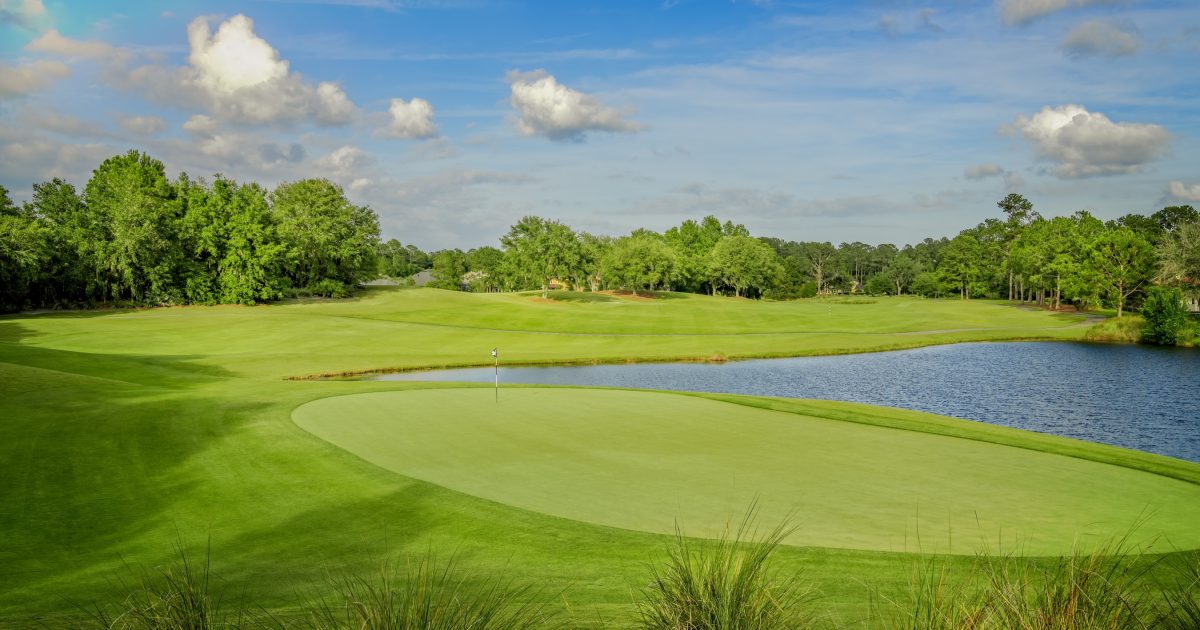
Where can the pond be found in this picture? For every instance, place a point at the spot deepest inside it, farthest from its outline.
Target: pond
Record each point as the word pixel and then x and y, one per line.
pixel 1139 397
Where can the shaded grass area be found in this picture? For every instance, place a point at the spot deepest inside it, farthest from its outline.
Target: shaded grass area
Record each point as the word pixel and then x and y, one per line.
pixel 124 432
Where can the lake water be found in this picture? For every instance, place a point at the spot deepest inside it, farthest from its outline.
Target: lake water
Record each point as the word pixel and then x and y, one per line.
pixel 1138 397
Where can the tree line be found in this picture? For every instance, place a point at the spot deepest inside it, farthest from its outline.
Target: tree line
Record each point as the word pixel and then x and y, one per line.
pixel 132 236
pixel 1019 256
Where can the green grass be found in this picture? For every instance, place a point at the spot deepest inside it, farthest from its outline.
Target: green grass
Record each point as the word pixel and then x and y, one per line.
pixel 638 460
pixel 125 432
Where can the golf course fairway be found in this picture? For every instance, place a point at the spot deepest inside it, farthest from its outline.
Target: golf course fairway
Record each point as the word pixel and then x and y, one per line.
pixel 126 434
pixel 646 460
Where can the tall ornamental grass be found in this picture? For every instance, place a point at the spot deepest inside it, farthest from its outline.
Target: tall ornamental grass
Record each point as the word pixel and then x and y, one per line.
pixel 728 583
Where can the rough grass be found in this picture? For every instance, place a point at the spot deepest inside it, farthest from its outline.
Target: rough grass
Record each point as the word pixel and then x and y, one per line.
pixel 729 583
pixel 1127 329
pixel 122 432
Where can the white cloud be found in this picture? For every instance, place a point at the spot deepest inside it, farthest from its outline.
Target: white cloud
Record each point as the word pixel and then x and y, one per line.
pixel 142 125
pixel 1097 38
pixel 20 79
pixel 23 15
pixel 233 74
pixel 547 108
pixel 1087 144
pixel 346 162
pixel 52 42
pixel 410 120
pixel 983 171
pixel 50 119
pixel 201 125
pixel 242 78
pixel 1179 190
pixel 1026 11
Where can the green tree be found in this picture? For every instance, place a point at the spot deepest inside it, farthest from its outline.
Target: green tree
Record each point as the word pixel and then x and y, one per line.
pixel 1019 215
pixel 136 241
pixel 1165 314
pixel 1123 262
pixel 926 283
pixel 397 260
pixel 960 264
pixel 639 262
pixel 1179 259
pixel 1172 218
pixel 901 272
pixel 880 284
pixel 820 259
pixel 325 236
pixel 449 267
pixel 22 254
pixel 541 250
pixel 744 264
pixel 693 242
pixel 66 272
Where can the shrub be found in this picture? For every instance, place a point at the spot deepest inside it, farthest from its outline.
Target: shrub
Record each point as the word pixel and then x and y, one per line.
pixel 725 584
pixel 1165 315
pixel 1126 329
pixel 879 284
pixel 808 289
pixel 329 288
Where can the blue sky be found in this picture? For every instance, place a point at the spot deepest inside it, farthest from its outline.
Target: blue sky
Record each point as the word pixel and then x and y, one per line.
pixel 882 121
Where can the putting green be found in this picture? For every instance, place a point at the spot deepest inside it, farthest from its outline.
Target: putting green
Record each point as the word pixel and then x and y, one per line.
pixel 642 460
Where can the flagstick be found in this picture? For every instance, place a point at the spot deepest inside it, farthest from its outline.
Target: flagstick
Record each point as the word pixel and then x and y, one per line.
pixel 496 355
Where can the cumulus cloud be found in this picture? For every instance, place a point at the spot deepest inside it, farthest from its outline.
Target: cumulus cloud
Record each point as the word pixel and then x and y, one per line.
pixel 142 125
pixel 201 125
pixel 1022 12
pixel 545 107
pixel 346 162
pixel 1180 190
pixel 21 79
pixel 1088 144
pixel 242 77
pixel 22 14
pixel 232 73
pixel 1104 39
pixel 410 120
pixel 54 43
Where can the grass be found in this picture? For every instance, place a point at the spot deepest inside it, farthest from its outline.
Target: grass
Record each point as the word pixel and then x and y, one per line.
pixel 426 595
pixel 635 460
pixel 726 584
pixel 124 432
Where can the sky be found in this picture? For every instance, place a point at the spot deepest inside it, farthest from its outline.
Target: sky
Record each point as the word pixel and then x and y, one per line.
pixel 875 121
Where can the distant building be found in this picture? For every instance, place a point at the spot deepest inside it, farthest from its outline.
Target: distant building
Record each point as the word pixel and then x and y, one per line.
pixel 421 278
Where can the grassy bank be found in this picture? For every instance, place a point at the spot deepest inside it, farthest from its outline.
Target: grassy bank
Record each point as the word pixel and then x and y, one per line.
pixel 124 433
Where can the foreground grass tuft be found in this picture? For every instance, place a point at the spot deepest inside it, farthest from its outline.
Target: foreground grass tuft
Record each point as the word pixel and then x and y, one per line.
pixel 427 595
pixel 177 596
pixel 1103 589
pixel 726 584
